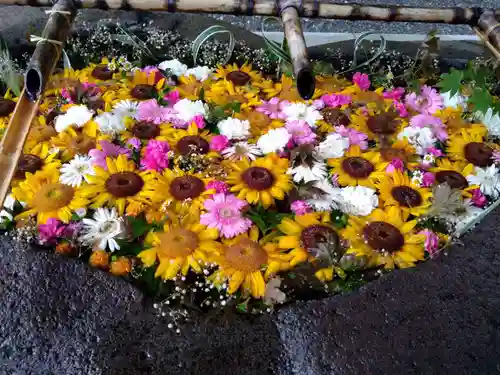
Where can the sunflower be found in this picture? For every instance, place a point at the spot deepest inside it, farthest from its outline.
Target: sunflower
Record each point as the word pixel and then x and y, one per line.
pixel 226 92
pixel 40 131
pixel 47 198
pixel 385 238
pixel 356 167
pixel 7 106
pixel 379 125
pixel 247 262
pixel 190 88
pixel 192 139
pixel 72 142
pixel 454 174
pixel 142 86
pixel 286 89
pixel 469 146
pixel 261 181
pixel 330 84
pixel 304 233
pixel 260 123
pixel 99 73
pixel 183 192
pixel 396 189
pixel 239 76
pixel 120 186
pixel 145 131
pixel 400 150
pixel 452 118
pixel 183 245
pixel 38 158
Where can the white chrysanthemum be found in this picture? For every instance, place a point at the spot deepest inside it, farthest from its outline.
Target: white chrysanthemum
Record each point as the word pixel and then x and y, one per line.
pixel 126 108
pixel 77 115
pixel 470 214
pixel 301 111
pixel 175 66
pixel 274 140
pixel 233 128
pixel 76 171
pixel 201 73
pixel 487 179
pixel 454 101
pixel 358 200
pixel 241 150
pixel 304 173
pixel 331 199
pixel 491 121
pixel 187 109
pixel 110 123
pixel 420 138
pixel 334 146
pixel 103 229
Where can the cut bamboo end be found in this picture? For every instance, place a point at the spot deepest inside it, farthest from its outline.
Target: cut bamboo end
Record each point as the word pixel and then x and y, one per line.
pixel 488 29
pixel 298 51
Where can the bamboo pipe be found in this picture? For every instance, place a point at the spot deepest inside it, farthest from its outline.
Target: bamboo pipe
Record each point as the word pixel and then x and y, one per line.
pixel 298 51
pixel 40 68
pixel 488 29
pixel 307 8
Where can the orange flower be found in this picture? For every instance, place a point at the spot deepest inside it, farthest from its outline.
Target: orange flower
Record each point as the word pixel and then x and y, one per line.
pixel 99 259
pixel 120 266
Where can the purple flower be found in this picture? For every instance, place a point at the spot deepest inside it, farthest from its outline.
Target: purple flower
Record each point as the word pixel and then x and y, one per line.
pixel 273 108
pixel 434 151
pixel 219 143
pixel 108 149
pixel 134 143
pixel 301 132
pixel 225 214
pixel 155 156
pixel 395 93
pixel 434 123
pixel 356 138
pixel 478 198
pixel 361 80
pixel 319 104
pixel 336 100
pixel 300 207
pixel 431 243
pixel 428 179
pixel 51 231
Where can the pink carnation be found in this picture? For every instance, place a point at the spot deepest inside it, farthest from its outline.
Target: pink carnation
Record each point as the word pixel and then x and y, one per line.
pixel 434 151
pixel 401 108
pixel 336 100
pixel 424 120
pixel 219 186
pixel 172 97
pixel 301 132
pixel 478 198
pixel 108 149
pixel 151 111
pixel 395 165
pixel 219 143
pixel 429 101
pixel 153 70
pixel 428 179
pixel 300 207
pixel 199 121
pixel 273 108
pixel 395 93
pixel 134 143
pixel 431 243
pixel 155 156
pixel 51 231
pixel 356 138
pixel 224 213
pixel 362 80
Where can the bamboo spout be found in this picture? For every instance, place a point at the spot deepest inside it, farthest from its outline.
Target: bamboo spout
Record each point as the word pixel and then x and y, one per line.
pixel 488 29
pixel 41 66
pixel 298 51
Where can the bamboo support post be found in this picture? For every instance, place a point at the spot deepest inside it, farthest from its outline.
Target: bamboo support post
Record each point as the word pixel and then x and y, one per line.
pixel 41 66
pixel 488 29
pixel 298 50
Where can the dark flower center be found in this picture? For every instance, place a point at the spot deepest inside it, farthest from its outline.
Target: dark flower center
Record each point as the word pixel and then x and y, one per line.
pixel 186 187
pixel 28 163
pixel 313 235
pixel 478 154
pixel 51 116
pixel 124 184
pixel 246 256
pixel 406 196
pixel 82 144
pixel 143 92
pixel 383 236
pixel 192 143
pixel 335 117
pixel 357 167
pixel 238 78
pixel 102 72
pixel 389 154
pixel 6 107
pixel 258 178
pixel 454 179
pixel 146 130
pixel 95 103
pixel 384 123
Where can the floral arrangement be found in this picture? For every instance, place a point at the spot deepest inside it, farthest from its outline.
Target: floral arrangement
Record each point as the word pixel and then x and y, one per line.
pixel 223 187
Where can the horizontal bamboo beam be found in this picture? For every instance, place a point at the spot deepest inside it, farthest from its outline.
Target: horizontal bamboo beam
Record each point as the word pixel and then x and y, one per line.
pixel 40 67
pixel 306 8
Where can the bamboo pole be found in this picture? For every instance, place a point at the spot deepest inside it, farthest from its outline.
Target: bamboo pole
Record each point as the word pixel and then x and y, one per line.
pixel 307 8
pixel 298 51
pixel 41 66
pixel 488 29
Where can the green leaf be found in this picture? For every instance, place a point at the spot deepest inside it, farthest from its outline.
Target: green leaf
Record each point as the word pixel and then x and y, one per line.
pixel 323 68
pixel 257 220
pixel 139 226
pixel 481 100
pixel 202 94
pixel 129 248
pixel 451 82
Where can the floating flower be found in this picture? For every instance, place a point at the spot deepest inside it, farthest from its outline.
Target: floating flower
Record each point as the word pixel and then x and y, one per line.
pixel 334 146
pixel 51 231
pixel 126 108
pixel 330 197
pixel 469 146
pixel 454 101
pixel 76 171
pixel 218 186
pixel 420 138
pixel 355 168
pixel 356 138
pixel 233 128
pixel 150 110
pixel 187 110
pixel 110 123
pixel 156 156
pixel 274 140
pixel 395 165
pixel 434 123
pixel 77 115
pixel 336 100
pixel 103 230
pixel 491 121
pixel 358 200
pixel 273 108
pixel 300 207
pixel 361 80
pixel 428 179
pixel 242 150
pixel 431 243
pixel 219 143
pixel 108 150
pixel 301 132
pixel 301 111
pixel 173 66
pixel 224 212
pixel 395 94
pixel 487 179
pixel 314 171
pixel 429 101
pixel 478 198
pixel 201 73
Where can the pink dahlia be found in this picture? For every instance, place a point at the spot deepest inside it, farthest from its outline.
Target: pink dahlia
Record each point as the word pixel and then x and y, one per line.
pixel 108 149
pixel 224 213
pixel 219 143
pixel 356 138
pixel 431 243
pixel 428 102
pixel 219 186
pixel 301 132
pixel 300 207
pixel 155 156
pixel 273 108
pixel 51 231
pixel 151 111
pixel 434 123
pixel 478 198
pixel 336 100
pixel 172 97
pixel 395 165
pixel 395 94
pixel 428 179
pixel 401 108
pixel 362 80
pixel 199 121
pixel 134 143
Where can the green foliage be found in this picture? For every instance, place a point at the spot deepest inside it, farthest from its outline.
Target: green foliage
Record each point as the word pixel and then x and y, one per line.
pixel 339 219
pixel 481 100
pixel 451 82
pixel 265 220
